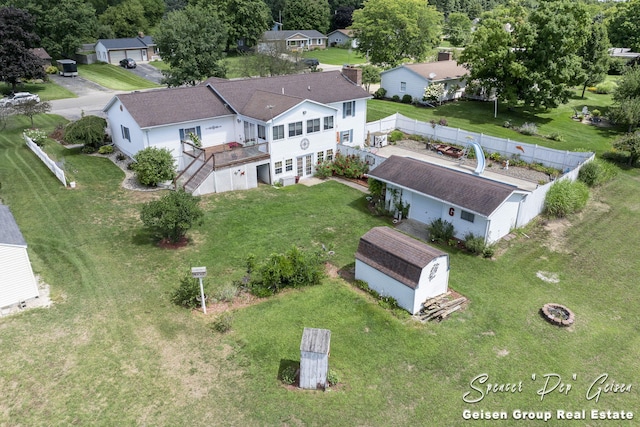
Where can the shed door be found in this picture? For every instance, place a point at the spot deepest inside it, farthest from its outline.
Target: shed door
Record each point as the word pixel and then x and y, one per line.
pixel 116 55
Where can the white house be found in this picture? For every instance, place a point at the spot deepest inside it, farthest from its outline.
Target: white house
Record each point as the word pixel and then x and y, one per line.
pixel 342 37
pixel 297 40
pixel 412 79
pixel 263 129
pixel 17 282
pixel 394 264
pixel 111 51
pixel 473 204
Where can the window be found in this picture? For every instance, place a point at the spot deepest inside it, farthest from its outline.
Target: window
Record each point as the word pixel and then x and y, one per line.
pixel 278 166
pixel 320 156
pixel 288 165
pixel 308 162
pixel 125 133
pixel 313 125
pixel 262 132
pixel 467 216
pixel 348 109
pixel 295 129
pixel 329 155
pixel 184 133
pixel 328 122
pixel 403 86
pixel 346 136
pixel 278 132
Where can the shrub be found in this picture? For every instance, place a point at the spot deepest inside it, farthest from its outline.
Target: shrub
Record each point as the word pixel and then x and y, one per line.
pixel 120 157
pixel 528 129
pixel 475 245
pixel 396 136
pixel 443 121
pixel 324 169
pixel 596 172
pixel 188 293
pixel 51 69
pixel 606 87
pixel 506 124
pixel 222 323
pixel 495 156
pixel 416 137
pixel 555 136
pixel 617 66
pixel 349 166
pixel 171 216
pixel 332 377
pixel 395 98
pixel 380 93
pixel 407 99
pixel 565 197
pixel 227 293
pixel 288 374
pixel 38 136
pixel 154 165
pixel 105 149
pixel 89 149
pixel 89 130
pixel 489 251
pixel 441 230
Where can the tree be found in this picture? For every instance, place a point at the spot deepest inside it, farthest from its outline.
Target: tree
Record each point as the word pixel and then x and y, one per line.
pixel 31 108
pixel 531 57
pixel 270 61
pixel 434 92
pixel 458 28
pixel 624 25
pixel 306 15
pixel 342 17
pixel 88 130
pixel 370 75
pixel 389 31
pixel 192 41
pixel 626 97
pixel 629 142
pixel 171 216
pixel 18 37
pixel 126 19
pixel 595 55
pixel 246 21
pixel 154 165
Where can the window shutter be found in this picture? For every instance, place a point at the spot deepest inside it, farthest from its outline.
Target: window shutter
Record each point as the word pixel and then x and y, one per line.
pixel 353 108
pixel 350 135
pixel 198 132
pixel 181 135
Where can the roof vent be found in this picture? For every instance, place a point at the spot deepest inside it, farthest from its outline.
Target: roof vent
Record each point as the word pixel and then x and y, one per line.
pixel 309 88
pixel 283 91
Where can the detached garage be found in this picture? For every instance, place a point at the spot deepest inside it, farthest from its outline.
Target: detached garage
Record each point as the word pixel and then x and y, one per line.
pixel 17 282
pixel 394 264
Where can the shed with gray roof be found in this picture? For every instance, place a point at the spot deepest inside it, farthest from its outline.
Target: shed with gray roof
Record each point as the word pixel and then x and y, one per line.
pixel 17 282
pixel 394 264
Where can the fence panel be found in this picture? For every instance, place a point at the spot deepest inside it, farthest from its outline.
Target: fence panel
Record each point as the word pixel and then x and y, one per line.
pixel 59 173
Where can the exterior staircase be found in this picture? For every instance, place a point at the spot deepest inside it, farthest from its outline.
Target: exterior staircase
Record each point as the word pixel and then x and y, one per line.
pixel 194 181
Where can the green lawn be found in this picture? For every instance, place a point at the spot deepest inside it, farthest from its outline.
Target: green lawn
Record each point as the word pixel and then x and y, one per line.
pixel 113 77
pixel 336 56
pixel 47 91
pixel 114 351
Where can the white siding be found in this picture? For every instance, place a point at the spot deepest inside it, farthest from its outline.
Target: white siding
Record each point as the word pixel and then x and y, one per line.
pixel 504 219
pixel 101 52
pixel 392 80
pixel 17 282
pixel 356 123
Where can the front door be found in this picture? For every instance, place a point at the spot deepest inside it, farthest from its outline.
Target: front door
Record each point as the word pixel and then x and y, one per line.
pixel 304 166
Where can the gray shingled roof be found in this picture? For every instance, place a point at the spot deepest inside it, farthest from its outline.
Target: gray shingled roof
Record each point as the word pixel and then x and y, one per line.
pixel 324 88
pixel 127 43
pixel 474 193
pixel 285 34
pixel 441 70
pixel 174 105
pixel 395 254
pixel 9 231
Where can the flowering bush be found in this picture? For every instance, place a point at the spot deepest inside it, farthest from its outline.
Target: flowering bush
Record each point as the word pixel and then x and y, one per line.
pixel 38 136
pixel 434 92
pixel 350 166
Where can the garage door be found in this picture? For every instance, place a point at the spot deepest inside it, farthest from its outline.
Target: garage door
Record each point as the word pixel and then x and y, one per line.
pixel 116 55
pixel 135 54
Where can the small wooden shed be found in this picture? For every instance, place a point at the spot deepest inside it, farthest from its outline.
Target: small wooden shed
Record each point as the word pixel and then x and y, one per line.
pixel 394 264
pixel 314 358
pixel 17 282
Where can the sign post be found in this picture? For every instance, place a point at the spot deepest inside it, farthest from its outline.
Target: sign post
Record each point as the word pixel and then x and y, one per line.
pixel 199 273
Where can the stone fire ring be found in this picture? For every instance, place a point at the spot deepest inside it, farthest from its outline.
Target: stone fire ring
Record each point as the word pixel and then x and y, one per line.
pixel 558 314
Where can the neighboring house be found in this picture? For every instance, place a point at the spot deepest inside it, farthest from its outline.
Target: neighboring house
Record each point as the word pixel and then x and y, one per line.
pixel 342 37
pixel 17 282
pixel 412 79
pixel 473 204
pixel 394 264
pixel 294 40
pixel 140 48
pixel 43 55
pixel 272 129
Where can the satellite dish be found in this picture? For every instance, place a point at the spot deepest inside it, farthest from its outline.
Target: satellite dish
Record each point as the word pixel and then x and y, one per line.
pixel 432 75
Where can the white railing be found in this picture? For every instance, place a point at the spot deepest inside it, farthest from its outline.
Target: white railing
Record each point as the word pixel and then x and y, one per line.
pixel 53 167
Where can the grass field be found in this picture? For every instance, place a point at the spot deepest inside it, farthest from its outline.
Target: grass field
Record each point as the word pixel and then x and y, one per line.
pixel 113 77
pixel 46 91
pixel 335 56
pixel 113 350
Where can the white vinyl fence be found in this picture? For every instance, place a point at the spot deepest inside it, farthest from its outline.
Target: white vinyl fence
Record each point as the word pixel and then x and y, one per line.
pixel 59 173
pixel 564 161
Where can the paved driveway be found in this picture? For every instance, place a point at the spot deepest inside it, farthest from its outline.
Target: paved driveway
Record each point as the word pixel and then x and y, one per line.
pixel 148 72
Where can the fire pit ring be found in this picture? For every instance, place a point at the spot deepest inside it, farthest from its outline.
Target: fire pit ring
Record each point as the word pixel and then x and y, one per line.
pixel 558 314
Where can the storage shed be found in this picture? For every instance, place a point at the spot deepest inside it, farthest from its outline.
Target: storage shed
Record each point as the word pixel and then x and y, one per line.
pixel 17 282
pixel 314 358
pixel 396 265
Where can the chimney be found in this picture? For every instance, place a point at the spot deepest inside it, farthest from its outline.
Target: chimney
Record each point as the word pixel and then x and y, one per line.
pixel 353 73
pixel 140 34
pixel 445 56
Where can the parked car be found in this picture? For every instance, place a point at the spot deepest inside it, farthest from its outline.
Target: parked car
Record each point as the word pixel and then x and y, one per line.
pixel 128 63
pixel 18 98
pixel 311 62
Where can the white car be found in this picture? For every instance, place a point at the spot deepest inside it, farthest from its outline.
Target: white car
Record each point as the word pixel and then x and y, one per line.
pixel 18 98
